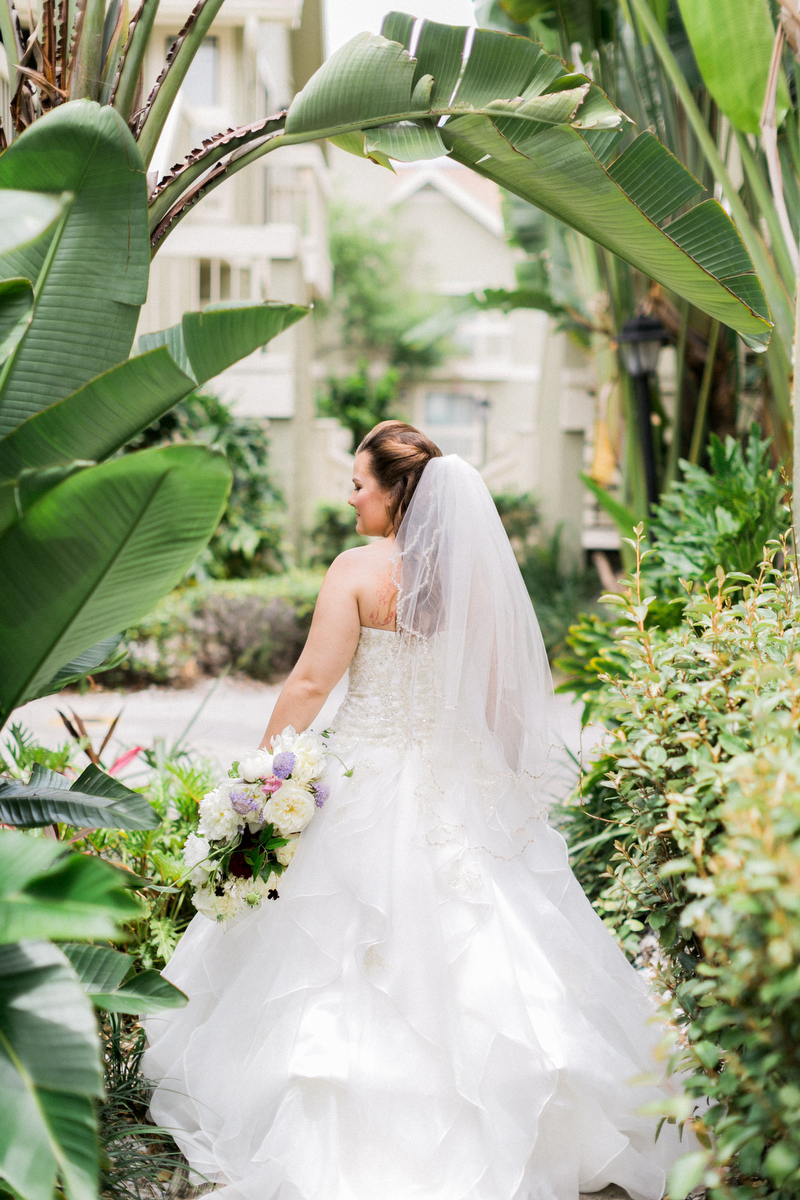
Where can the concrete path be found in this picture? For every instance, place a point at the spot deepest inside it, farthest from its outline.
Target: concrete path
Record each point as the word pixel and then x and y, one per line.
pixel 218 718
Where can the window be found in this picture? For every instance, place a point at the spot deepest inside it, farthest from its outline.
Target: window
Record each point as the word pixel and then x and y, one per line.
pixel 449 408
pixel 220 280
pixel 457 423
pixel 201 83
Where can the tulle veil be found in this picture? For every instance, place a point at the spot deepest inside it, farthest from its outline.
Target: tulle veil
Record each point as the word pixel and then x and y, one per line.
pixel 465 617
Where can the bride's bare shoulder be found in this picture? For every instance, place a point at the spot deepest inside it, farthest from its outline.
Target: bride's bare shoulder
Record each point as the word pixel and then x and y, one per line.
pixel 369 558
pixel 366 572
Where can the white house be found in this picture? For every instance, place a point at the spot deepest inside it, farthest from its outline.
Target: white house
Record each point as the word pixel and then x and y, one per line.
pixel 518 400
pixel 263 233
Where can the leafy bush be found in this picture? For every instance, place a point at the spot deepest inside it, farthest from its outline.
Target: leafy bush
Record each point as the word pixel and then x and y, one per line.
pixel 21 752
pixel 178 784
pixel 519 512
pixel 701 772
pixel 359 401
pixel 258 626
pixel 559 590
pixel 372 307
pixel 250 539
pixel 333 531
pixel 137 1158
pixel 722 517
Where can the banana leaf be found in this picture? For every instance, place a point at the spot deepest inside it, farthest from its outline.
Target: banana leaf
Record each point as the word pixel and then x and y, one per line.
pixel 517 116
pixel 109 979
pixel 95 800
pixel 50 1072
pixel 50 891
pixel 90 269
pixel 96 552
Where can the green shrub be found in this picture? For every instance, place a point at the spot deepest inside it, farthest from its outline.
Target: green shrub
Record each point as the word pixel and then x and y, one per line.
pixel 257 626
pixel 359 401
pixel 250 539
pixel 559 590
pixel 177 785
pixel 721 517
pixel 700 772
pixel 333 531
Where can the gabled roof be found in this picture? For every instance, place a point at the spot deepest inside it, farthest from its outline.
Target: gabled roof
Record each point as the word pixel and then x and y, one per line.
pixel 483 208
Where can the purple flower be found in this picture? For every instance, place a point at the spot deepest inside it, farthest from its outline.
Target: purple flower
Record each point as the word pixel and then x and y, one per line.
pixel 321 792
pixel 283 764
pixel 241 803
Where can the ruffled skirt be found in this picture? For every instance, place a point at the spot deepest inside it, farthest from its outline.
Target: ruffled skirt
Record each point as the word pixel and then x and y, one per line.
pixel 411 1020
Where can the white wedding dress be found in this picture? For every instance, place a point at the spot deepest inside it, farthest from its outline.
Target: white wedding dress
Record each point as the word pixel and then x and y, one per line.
pixel 431 1010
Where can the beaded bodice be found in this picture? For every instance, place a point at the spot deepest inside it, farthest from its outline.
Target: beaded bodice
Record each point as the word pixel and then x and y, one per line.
pixel 390 695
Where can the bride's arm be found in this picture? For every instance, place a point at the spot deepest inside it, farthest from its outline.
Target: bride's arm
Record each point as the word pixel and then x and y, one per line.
pixel 331 644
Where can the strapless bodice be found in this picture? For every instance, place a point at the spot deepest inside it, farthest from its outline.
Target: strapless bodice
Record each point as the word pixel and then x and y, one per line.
pixel 390 697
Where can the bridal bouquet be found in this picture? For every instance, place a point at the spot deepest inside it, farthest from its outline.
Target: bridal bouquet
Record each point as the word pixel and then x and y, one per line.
pixel 249 825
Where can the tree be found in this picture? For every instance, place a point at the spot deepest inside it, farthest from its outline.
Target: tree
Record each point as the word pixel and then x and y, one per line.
pixel 697 75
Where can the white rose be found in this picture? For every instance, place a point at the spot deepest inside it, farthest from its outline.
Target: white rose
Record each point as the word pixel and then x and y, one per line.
pixel 285 854
pixel 290 808
pixel 284 741
pixel 217 819
pixel 309 753
pixel 257 765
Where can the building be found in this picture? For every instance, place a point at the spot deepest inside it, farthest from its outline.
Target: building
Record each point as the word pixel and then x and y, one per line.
pixel 517 400
pixel 262 235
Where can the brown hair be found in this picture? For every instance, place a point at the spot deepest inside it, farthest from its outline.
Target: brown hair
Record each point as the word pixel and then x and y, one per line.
pixel 398 455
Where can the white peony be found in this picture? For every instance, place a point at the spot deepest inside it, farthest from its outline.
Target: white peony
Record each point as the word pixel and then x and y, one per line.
pixel 290 808
pixel 205 902
pixel 285 854
pixel 217 819
pixel 196 851
pixel 284 741
pixel 309 753
pixel 257 765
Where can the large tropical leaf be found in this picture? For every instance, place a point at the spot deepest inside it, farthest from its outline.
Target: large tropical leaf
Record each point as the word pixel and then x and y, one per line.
pixel 24 216
pixel 90 271
pixel 111 983
pixel 95 800
pixel 206 343
pixel 102 656
pixel 49 1073
pixel 516 115
pixel 732 42
pixel 96 552
pixel 49 891
pixel 99 418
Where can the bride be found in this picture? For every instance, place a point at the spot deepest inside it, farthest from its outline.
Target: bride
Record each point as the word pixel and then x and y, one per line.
pixel 432 1010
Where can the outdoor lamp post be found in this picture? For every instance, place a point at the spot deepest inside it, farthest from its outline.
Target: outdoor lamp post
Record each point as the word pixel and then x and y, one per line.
pixel 640 340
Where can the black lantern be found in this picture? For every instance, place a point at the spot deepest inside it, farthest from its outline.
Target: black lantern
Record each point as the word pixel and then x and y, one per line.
pixel 639 343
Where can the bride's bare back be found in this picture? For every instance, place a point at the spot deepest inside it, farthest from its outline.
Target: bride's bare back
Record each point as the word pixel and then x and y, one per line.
pixel 357 590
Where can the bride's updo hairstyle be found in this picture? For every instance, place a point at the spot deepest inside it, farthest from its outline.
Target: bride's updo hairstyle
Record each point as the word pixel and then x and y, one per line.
pixel 398 455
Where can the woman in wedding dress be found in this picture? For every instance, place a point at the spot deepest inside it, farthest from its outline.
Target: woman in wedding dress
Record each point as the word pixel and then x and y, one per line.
pixel 431 1010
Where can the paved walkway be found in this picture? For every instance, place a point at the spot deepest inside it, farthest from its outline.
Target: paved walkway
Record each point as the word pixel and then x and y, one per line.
pixel 218 718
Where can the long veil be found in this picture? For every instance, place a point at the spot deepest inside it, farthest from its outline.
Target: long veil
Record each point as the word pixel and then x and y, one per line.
pixel 464 615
